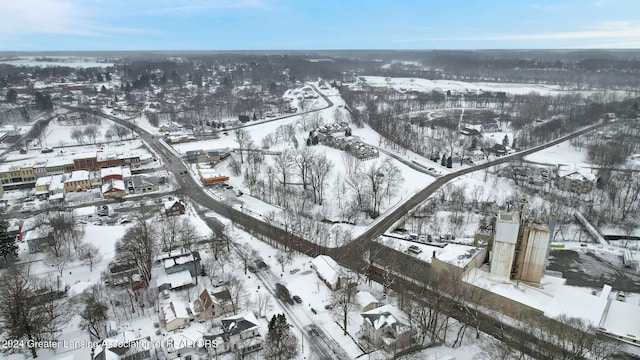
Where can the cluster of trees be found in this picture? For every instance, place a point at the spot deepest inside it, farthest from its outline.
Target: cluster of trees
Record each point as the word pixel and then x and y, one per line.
pixel 30 310
pixel 8 246
pixel 297 177
pixel 90 132
pixel 281 344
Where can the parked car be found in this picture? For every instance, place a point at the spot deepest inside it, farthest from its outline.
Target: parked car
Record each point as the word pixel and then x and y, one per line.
pixel 414 249
pixel 218 282
pixel 294 271
pixel 297 299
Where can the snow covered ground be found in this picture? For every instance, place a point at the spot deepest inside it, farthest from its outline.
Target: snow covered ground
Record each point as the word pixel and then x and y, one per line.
pixel 425 85
pixel 55 61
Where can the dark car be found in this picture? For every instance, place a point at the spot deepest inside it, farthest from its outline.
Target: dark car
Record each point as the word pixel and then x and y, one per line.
pixel 283 293
pixel 297 299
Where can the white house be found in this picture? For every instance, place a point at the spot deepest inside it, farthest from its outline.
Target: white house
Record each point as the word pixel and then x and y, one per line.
pixel 327 270
pixel 175 315
pixel 239 333
pixel 385 326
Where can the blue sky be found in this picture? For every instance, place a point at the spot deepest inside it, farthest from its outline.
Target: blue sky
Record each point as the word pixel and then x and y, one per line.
pixel 42 25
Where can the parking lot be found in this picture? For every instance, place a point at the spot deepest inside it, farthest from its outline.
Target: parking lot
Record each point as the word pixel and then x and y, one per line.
pixel 588 269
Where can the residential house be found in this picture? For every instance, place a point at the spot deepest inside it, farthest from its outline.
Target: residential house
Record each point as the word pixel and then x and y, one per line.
pixel 128 345
pixel 113 189
pixel 174 208
pixel 499 150
pixel 211 304
pixel 575 182
pixel 179 260
pixel 175 315
pixel 385 326
pixel 239 334
pixel 35 241
pixel 78 181
pixel 122 272
pixel 327 270
pixel 174 281
pixel 491 127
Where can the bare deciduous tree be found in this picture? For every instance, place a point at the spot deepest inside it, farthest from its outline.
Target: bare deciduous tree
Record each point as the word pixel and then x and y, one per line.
pixel 91 132
pixel 243 138
pixel 29 311
pixel 342 299
pixel 89 254
pixel 139 245
pixel 78 135
pixel 95 312
pixel 320 169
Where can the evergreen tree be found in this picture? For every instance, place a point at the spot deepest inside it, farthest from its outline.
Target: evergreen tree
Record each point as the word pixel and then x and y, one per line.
pixel 43 101
pixel 12 96
pixel 8 247
pixel 505 141
pixel 443 162
pixel 449 162
pixel 474 143
pixel 281 344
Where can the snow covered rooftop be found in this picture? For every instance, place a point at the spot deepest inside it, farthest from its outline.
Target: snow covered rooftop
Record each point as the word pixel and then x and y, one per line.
pixel 386 315
pixel 43 181
pixel 618 321
pixel 364 298
pixel 169 204
pixel 553 297
pixel 175 310
pixel 458 255
pixel 238 323
pixel 113 184
pixel 184 259
pixel 327 268
pixel 175 280
pixel 79 175
pixel 115 170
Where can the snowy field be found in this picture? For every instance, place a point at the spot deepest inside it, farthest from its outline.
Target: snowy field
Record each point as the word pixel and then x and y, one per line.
pixel 56 61
pixel 563 154
pixel 425 85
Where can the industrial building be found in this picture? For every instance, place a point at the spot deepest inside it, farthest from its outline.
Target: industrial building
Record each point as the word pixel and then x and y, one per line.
pixel 519 251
